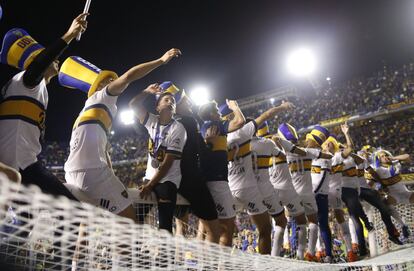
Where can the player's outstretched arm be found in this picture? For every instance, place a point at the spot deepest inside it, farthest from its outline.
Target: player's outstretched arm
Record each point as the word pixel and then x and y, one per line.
pixel 358 160
pixel 37 69
pixel 78 26
pixel 137 72
pixel 349 144
pixel 272 112
pixel 373 176
pixel 137 103
pixel 288 146
pixel 402 157
pixel 238 121
pixel 325 155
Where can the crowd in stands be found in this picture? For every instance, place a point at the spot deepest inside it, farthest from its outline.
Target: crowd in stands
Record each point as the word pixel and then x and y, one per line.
pixel 122 148
pixel 128 147
pixel 54 153
pixel 357 96
pixel 130 174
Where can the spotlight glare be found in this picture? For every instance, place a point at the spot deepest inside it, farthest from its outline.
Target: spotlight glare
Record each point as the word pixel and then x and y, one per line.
pixel 301 62
pixel 272 100
pixel 127 117
pixel 200 95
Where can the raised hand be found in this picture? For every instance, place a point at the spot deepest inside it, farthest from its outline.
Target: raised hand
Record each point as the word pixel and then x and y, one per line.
pixel 170 54
pixel 287 105
pixel 145 191
pixel 345 128
pixel 276 138
pixel 79 25
pixel 232 104
pixel 211 132
pixel 153 89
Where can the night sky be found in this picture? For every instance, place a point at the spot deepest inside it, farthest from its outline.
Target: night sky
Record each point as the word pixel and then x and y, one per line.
pixel 235 48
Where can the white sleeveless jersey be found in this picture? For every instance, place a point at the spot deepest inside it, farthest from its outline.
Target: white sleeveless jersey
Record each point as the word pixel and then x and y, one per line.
pixel 350 174
pixel 300 170
pixel 279 172
pixel 337 165
pixel 321 174
pixel 89 140
pixel 263 150
pixel 22 117
pixel 240 164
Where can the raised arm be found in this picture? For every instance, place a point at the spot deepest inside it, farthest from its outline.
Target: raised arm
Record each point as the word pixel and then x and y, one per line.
pixel 358 160
pixel 402 157
pixel 349 144
pixel 137 72
pixel 374 175
pixel 288 146
pixel 325 155
pixel 37 69
pixel 137 103
pixel 238 121
pixel 299 151
pixel 272 112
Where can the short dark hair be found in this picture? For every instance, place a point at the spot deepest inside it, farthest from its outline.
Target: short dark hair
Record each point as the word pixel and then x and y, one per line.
pixel 206 109
pixel 161 96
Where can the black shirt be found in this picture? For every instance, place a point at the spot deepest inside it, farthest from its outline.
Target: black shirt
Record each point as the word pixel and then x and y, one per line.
pixel 214 162
pixel 193 150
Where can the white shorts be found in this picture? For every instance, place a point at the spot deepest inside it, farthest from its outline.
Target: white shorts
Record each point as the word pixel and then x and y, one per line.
pixel 102 187
pixel 309 204
pixel 251 199
pixel 270 197
pixel 334 198
pixel 224 201
pixel 400 193
pixel 290 199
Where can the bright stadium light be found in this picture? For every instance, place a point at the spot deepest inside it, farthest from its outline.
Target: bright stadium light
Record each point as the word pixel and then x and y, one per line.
pixel 200 95
pixel 301 62
pixel 127 117
pixel 272 100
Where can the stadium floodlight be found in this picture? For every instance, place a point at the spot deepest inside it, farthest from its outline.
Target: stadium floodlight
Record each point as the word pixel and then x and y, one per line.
pixel 112 132
pixel 272 100
pixel 127 117
pixel 301 62
pixel 328 78
pixel 200 95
